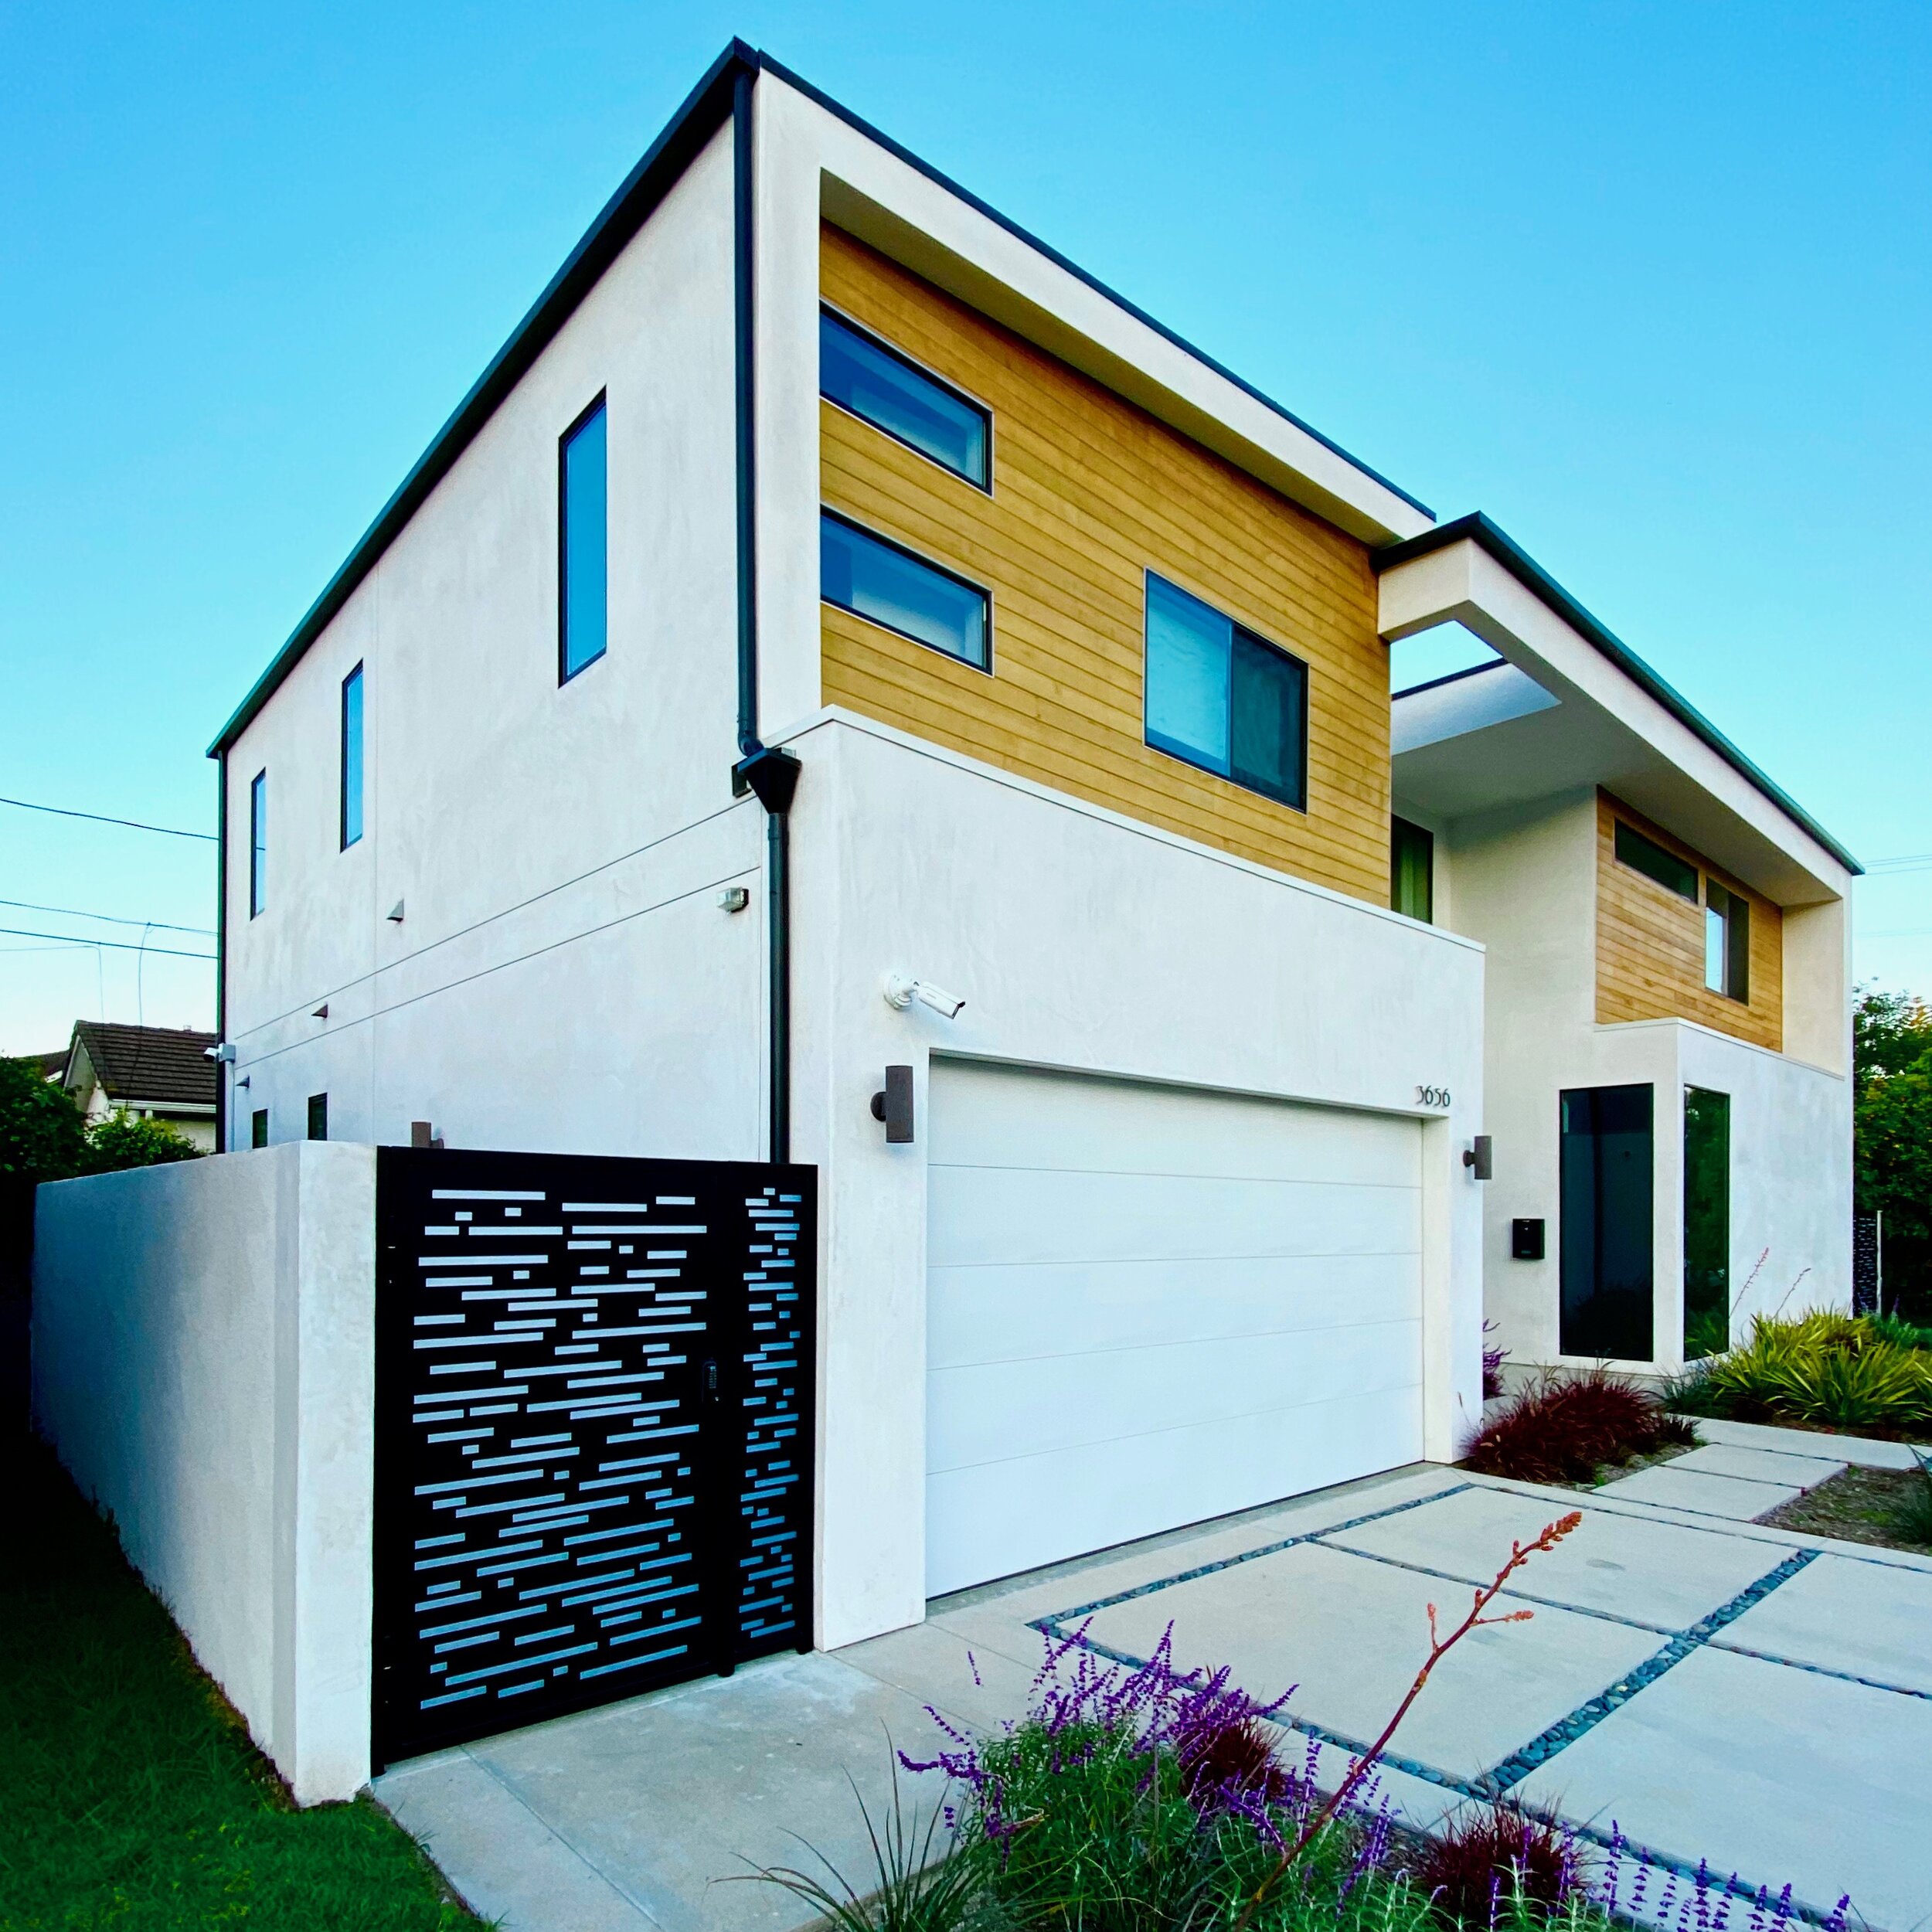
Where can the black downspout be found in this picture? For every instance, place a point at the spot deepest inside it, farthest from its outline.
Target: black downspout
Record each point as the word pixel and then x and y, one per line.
pixel 221 951
pixel 772 775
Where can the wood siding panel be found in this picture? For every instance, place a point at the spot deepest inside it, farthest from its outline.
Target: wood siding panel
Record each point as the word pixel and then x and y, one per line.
pixel 1650 943
pixel 1089 494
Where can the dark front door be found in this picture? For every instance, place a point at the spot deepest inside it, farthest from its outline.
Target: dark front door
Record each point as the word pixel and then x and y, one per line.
pixel 1606 1240
pixel 593 1431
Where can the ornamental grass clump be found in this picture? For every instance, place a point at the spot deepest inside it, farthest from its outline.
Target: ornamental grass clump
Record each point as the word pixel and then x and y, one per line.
pixel 1489 1864
pixel 1829 1370
pixel 1566 1428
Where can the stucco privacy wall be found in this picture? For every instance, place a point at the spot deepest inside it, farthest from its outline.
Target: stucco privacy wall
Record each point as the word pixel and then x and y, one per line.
pixel 203 1339
pixel 554 848
pixel 1081 940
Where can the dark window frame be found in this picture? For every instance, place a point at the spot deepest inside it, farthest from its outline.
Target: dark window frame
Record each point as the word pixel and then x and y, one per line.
pixel 578 424
pixel 1398 826
pixel 1642 845
pixel 982 590
pixel 1735 911
pixel 258 1127
pixel 1182 754
pixel 926 373
pixel 258 844
pixel 356 679
pixel 319 1114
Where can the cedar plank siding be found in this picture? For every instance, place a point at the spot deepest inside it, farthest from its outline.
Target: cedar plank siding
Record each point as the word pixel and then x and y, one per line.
pixel 1088 493
pixel 1650 944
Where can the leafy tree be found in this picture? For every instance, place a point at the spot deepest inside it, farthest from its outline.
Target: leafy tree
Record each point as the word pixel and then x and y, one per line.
pixel 42 1133
pixel 121 1139
pixel 1891 1133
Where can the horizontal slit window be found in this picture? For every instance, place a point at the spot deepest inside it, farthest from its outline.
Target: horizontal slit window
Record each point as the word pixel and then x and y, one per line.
pixel 882 387
pixel 886 584
pixel 1645 855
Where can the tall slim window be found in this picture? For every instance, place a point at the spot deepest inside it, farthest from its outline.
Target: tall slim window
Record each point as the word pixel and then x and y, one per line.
pixel 583 544
pixel 1223 698
pixel 258 1127
pixel 1605 1186
pixel 352 811
pixel 1412 868
pixel 258 844
pixel 318 1117
pixel 875 384
pixel 1727 942
pixel 1707 1223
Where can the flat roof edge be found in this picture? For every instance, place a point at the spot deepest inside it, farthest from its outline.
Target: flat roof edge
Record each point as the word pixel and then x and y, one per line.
pixel 699 116
pixel 1496 543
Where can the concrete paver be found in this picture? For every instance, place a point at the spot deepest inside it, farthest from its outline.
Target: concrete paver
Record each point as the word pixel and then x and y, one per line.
pixel 1757 1465
pixel 1861 1451
pixel 1777 1774
pixel 1702 1493
pixel 1350 1634
pixel 1621 1564
pixel 1869 1619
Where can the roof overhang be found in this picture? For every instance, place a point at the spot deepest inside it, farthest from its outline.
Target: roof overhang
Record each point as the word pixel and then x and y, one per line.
pixel 887 196
pixel 1571 707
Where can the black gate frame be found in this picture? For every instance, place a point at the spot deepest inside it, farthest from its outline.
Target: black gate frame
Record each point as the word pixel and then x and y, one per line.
pixel 720 1389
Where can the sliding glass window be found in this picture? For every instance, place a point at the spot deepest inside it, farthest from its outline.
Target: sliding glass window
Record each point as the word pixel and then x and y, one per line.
pixel 258 844
pixel 887 584
pixel 1224 699
pixel 874 382
pixel 1606 1189
pixel 352 798
pixel 583 543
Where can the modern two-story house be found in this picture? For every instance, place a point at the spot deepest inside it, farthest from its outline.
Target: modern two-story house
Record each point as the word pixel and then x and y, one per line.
pixel 837 635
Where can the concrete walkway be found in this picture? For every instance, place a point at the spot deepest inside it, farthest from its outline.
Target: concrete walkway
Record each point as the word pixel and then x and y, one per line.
pixel 1712 1688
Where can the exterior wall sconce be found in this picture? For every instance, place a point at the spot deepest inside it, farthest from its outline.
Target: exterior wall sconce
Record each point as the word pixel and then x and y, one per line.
pixel 1476 1157
pixel 424 1134
pixel 893 1104
pixel 734 899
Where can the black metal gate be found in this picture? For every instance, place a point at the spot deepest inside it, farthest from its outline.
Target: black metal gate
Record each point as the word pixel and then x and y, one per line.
pixel 594 1435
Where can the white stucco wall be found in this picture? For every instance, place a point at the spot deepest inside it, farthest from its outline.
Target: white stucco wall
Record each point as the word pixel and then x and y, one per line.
pixel 1525 883
pixel 203 1364
pixel 1080 940
pixel 562 978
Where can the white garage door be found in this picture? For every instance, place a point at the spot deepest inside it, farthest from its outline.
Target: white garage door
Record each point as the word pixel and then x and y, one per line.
pixel 1148 1306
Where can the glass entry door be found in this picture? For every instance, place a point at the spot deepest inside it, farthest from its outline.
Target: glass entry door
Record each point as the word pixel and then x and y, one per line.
pixel 1707 1223
pixel 1606 1250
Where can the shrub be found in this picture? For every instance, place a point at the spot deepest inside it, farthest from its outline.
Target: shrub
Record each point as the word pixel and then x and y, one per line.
pixel 1489 1865
pixel 122 1140
pixel 1833 1371
pixel 1493 1358
pixel 42 1134
pixel 1565 1428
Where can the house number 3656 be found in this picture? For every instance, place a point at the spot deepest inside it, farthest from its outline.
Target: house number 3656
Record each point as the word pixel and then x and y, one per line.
pixel 1432 1097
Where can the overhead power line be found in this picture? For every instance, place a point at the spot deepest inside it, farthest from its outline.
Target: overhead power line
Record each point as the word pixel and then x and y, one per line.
pixel 112 919
pixel 119 945
pixel 101 819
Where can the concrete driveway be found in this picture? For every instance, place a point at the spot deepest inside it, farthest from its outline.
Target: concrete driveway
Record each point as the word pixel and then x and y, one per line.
pixel 1713 1689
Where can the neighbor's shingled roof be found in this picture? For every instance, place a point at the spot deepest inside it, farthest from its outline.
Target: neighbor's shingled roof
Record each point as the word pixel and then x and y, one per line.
pixel 148 1063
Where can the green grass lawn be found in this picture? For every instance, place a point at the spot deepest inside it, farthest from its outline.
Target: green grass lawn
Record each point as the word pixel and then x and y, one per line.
pixel 130 1795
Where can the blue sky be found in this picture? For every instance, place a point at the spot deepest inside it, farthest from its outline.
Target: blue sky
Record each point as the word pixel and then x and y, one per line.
pixel 1649 284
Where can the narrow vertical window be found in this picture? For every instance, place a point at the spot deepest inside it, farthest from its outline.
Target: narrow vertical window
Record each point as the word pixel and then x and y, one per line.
pixel 1707 1223
pixel 583 544
pixel 1605 1181
pixel 1412 866
pixel 352 812
pixel 318 1117
pixel 1727 942
pixel 258 1127
pixel 258 844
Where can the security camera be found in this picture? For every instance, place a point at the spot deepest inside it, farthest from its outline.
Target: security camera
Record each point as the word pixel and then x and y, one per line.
pixel 902 989
pixel 222 1055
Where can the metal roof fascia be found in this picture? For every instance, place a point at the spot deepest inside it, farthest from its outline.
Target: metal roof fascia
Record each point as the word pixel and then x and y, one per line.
pixel 703 112
pixel 1495 543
